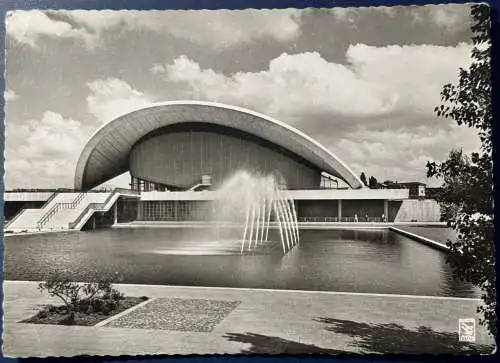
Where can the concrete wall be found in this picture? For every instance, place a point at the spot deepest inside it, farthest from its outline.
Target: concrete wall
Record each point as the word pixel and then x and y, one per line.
pixel 425 210
pixel 10 209
pixel 99 220
pixel 127 210
pixel 27 196
pixel 180 156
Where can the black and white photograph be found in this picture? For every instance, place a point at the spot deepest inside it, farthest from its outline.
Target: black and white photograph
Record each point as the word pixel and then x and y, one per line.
pixel 256 181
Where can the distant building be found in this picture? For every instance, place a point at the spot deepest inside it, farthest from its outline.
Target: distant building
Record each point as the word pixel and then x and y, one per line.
pixel 417 189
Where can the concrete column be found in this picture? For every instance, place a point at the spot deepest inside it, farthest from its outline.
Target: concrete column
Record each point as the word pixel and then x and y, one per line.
pixel 115 213
pixel 140 211
pixel 339 209
pixel 386 210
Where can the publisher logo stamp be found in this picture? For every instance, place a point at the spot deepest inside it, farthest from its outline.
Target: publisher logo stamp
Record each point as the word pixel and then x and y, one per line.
pixel 467 330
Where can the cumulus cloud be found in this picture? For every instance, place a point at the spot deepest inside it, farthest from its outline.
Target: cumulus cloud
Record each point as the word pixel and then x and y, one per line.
pixel 402 153
pixel 291 85
pixel 29 26
pixel 10 95
pixel 415 73
pixel 45 149
pixel 113 97
pixel 219 28
pixel 377 109
pixel 450 17
pixel 376 81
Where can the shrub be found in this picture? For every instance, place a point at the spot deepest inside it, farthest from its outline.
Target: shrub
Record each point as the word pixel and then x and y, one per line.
pixel 87 298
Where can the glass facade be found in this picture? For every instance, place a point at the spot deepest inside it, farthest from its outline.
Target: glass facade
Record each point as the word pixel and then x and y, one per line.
pixel 307 210
pixel 145 186
pixel 175 210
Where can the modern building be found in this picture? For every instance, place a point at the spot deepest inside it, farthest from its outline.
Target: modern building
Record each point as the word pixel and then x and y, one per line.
pixel 171 146
pixel 178 153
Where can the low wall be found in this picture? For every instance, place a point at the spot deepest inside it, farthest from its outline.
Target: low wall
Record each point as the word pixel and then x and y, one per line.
pixel 421 239
pixel 418 210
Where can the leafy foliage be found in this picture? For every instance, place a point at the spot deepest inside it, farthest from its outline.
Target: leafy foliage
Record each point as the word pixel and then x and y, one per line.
pixel 373 183
pixel 363 178
pixel 85 298
pixel 467 194
pixel 469 101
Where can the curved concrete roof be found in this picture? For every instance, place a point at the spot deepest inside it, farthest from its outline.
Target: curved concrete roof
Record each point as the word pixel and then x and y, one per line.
pixel 106 153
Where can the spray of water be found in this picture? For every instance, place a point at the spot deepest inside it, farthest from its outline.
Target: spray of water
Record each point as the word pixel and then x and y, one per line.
pixel 255 202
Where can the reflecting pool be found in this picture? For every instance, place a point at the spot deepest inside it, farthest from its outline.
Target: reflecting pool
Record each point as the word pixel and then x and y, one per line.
pixel 351 260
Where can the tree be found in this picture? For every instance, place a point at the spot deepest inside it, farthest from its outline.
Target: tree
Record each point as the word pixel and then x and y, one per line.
pixel 468 180
pixel 373 183
pixel 363 179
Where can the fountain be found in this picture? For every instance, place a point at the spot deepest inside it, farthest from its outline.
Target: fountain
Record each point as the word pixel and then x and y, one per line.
pixel 253 202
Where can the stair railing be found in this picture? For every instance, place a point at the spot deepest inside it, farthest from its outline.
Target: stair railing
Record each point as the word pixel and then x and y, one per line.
pixel 66 205
pixel 100 206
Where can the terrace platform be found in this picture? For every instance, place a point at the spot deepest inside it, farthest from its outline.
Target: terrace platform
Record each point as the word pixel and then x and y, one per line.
pixel 231 320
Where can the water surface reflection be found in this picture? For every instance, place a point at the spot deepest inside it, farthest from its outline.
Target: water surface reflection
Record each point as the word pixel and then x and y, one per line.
pixel 374 261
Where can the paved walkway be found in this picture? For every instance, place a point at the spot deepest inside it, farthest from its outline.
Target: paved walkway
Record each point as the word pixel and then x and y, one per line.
pixel 277 315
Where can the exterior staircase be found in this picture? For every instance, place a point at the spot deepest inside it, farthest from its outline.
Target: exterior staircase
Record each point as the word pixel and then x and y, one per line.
pixel 27 220
pixel 65 211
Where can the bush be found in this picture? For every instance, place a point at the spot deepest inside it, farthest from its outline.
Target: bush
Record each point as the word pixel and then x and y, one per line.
pixel 91 297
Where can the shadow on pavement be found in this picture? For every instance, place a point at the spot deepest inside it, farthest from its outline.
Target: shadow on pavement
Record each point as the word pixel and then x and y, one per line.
pixel 396 339
pixel 263 344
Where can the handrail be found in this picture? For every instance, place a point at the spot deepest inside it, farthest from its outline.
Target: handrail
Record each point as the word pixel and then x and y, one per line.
pixel 48 215
pixel 17 215
pixel 64 205
pixel 52 196
pixel 342 219
pixel 94 206
pixel 72 225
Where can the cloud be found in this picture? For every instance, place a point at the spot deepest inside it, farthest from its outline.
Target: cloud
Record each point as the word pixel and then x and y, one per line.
pixel 10 95
pixel 219 28
pixel 415 73
pixel 292 84
pixel 29 26
pixel 113 97
pixel 46 149
pixel 402 153
pixel 450 17
pixel 377 82
pixel 375 112
pixel 351 15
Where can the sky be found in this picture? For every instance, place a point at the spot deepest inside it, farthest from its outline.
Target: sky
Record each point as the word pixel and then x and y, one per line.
pixel 361 81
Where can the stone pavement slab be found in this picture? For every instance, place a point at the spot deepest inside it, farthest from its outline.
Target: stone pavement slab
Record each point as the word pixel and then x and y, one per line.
pixel 195 315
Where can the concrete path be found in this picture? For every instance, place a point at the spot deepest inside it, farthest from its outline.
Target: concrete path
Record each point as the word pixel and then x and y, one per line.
pixel 288 315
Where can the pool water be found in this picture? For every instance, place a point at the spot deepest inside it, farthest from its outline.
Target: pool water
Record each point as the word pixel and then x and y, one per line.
pixel 350 260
